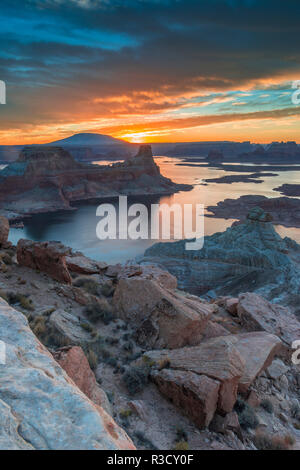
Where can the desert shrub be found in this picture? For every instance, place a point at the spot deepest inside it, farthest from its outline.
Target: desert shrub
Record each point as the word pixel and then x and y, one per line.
pixel 86 326
pixel 23 300
pixel 107 289
pixel 289 439
pixel 144 441
pixel 263 441
pixel 3 295
pixel 92 359
pixel 38 326
pixel 6 258
pixel 128 346
pixel 295 411
pixel 112 361
pixel 88 284
pixel 135 378
pixel 99 311
pixel 181 445
pixel 246 414
pixel 112 341
pixel 267 405
pixel 181 435
pixel 125 413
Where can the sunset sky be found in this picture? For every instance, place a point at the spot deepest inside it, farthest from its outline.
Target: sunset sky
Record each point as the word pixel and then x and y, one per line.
pixel 150 70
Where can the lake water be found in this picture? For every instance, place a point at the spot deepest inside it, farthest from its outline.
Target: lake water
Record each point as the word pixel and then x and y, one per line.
pixel 77 229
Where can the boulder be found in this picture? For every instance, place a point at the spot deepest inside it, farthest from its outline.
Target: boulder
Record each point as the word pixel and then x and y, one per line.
pixel 276 369
pixel 47 257
pixel 41 407
pixel 83 265
pixel 231 305
pixel 213 330
pixel 70 328
pixel 223 424
pixel 216 358
pixel 234 361
pixel 196 395
pixel 162 318
pixel 74 362
pixel 258 350
pixel 4 230
pixel 147 271
pixel 257 314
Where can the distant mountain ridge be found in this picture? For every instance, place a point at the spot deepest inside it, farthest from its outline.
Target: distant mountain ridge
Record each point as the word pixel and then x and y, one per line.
pixel 88 138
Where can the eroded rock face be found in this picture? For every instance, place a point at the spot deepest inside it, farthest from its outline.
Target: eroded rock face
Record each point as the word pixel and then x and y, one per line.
pixel 74 362
pixel 46 179
pixel 48 257
pixel 162 318
pixel 4 230
pixel 41 407
pixel 196 394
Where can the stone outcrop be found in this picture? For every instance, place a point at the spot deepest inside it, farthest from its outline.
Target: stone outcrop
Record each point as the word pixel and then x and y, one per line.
pixel 150 272
pixel 41 407
pixel 48 257
pixel 162 318
pixel 217 358
pixel 233 362
pixel 82 265
pixel 74 362
pixel 256 313
pixel 69 329
pixel 46 179
pixel 284 210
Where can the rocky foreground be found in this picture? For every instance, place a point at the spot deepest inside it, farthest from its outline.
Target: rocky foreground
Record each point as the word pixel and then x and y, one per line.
pixel 112 357
pixel 46 179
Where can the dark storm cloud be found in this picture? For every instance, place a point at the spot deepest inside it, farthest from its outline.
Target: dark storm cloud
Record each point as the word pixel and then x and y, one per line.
pixel 56 52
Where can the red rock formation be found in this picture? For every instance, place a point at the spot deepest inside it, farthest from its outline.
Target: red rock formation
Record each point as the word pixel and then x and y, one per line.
pixel 46 179
pixel 74 362
pixel 48 257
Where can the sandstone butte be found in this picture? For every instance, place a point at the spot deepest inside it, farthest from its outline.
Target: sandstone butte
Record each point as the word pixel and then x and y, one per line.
pixel 45 179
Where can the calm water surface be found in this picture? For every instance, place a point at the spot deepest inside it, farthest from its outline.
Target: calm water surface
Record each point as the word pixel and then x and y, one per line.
pixel 78 228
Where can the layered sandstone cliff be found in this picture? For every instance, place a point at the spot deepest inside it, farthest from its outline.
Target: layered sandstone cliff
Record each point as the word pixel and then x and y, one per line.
pixel 47 179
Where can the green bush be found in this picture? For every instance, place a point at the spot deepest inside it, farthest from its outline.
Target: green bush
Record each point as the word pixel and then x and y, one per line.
pixel 21 299
pixel 99 311
pixel 135 378
pixel 246 414
pixel 267 405
pixel 88 284
pixel 92 358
